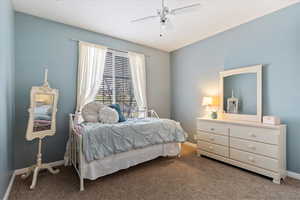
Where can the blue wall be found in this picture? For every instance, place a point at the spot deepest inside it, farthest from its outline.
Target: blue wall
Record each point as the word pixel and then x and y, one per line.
pixel 41 42
pixel 273 40
pixel 6 92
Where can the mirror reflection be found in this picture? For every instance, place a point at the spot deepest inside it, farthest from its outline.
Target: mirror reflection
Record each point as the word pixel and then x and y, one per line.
pixel 240 94
pixel 42 112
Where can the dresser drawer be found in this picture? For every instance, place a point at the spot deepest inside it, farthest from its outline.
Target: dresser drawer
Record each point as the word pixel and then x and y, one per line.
pixel 212 138
pixel 264 135
pixel 255 147
pixel 256 160
pixel 213 148
pixel 212 127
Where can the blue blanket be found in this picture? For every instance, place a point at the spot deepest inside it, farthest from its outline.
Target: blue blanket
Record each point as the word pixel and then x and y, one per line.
pixel 101 140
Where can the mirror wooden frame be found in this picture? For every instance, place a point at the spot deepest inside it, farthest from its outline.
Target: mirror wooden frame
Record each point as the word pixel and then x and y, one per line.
pixel 244 70
pixel 45 90
pixel 30 134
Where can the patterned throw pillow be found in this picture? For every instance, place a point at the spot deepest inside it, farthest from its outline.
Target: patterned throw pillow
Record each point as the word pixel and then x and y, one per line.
pixel 108 115
pixel 90 111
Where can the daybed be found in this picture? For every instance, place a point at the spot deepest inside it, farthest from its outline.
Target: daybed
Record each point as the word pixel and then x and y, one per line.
pixel 96 150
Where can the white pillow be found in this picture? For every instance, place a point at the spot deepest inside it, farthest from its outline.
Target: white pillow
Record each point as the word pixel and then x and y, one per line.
pixel 108 115
pixel 91 110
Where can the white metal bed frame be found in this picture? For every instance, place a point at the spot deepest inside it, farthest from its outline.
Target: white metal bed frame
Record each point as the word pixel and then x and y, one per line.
pixel 75 147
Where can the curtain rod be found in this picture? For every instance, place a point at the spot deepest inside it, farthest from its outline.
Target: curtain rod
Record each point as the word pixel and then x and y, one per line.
pixel 124 51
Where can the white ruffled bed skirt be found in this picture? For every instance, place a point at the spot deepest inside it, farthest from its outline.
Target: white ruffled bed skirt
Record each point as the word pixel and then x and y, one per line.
pixel 114 163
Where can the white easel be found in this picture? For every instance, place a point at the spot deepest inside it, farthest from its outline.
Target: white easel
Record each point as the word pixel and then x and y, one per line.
pixel 30 134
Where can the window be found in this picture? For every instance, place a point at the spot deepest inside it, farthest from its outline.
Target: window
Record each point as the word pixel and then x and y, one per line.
pixel 117 85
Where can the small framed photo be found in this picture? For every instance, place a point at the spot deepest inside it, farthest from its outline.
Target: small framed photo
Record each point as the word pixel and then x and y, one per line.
pixel 232 105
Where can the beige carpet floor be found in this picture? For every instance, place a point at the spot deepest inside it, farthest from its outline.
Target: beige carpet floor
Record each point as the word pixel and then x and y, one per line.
pixel 186 178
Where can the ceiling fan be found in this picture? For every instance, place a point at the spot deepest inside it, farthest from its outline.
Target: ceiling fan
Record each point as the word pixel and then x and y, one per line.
pixel 164 13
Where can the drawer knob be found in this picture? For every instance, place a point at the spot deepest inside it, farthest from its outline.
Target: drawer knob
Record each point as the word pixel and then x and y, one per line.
pixel 212 129
pixel 212 138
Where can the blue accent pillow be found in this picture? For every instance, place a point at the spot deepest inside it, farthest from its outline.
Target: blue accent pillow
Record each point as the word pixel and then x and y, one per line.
pixel 118 109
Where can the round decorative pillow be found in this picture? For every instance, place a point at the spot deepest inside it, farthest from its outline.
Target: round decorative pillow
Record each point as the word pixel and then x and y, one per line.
pixel 91 110
pixel 108 115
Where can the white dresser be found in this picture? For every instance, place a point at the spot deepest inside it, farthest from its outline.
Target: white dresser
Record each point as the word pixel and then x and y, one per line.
pixel 254 146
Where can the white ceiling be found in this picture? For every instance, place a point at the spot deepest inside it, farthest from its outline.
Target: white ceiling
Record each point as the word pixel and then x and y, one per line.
pixel 112 17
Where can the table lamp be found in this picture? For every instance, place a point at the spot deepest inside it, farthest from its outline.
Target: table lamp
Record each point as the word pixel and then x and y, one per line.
pixel 211 104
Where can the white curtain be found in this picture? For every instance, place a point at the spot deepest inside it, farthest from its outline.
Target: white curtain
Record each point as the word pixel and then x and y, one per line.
pixel 90 72
pixel 138 71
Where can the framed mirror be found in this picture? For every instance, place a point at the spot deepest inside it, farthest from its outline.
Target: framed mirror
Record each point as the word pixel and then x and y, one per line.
pixel 42 112
pixel 241 94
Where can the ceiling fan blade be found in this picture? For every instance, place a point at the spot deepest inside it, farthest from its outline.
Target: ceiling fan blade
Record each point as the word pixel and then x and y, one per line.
pixel 144 18
pixel 184 9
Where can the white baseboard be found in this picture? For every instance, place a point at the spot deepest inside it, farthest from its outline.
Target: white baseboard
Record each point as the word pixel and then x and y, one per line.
pixel 22 171
pixel 293 175
pixel 52 164
pixel 11 182
pixel 191 144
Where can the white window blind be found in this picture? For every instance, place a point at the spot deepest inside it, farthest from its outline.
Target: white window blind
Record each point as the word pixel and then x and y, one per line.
pixel 116 86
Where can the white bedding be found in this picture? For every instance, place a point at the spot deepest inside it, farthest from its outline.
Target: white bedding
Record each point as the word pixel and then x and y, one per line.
pixel 108 165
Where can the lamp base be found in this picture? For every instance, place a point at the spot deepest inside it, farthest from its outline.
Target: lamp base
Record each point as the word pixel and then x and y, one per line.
pixel 214 115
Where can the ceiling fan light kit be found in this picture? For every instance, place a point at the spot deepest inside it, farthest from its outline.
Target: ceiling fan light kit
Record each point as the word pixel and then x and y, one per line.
pixel 164 13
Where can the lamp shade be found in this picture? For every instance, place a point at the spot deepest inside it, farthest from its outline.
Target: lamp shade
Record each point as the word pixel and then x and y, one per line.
pixel 207 101
pixel 215 101
pixel 210 101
